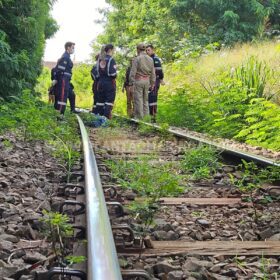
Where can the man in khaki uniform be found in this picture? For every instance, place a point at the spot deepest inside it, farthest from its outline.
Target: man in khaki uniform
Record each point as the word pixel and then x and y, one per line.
pixel 142 77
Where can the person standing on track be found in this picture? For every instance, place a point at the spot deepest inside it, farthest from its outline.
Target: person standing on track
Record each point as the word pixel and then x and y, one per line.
pixel 53 88
pixel 94 76
pixel 63 77
pixel 141 78
pixel 153 93
pixel 72 99
pixel 129 93
pixel 106 73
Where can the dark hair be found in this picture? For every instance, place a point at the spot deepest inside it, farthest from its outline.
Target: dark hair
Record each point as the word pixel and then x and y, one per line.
pixel 97 56
pixel 150 46
pixel 109 47
pixel 68 45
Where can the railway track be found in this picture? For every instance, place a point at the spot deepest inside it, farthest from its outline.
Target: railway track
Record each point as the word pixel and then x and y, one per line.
pixel 205 232
pixel 260 156
pixel 190 241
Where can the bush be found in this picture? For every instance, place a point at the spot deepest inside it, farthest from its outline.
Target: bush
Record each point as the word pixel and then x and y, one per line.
pixel 225 95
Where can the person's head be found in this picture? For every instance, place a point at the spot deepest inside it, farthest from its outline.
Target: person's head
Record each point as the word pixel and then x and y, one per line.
pixel 150 50
pixel 109 49
pixel 69 47
pixel 141 48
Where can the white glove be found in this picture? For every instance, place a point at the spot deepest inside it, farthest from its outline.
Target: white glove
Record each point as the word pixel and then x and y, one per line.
pixel 54 82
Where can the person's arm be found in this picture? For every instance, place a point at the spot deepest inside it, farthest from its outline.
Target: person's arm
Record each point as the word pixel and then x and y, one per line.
pixel 153 78
pixel 112 68
pixel 93 73
pixel 62 64
pixel 133 72
pixel 158 68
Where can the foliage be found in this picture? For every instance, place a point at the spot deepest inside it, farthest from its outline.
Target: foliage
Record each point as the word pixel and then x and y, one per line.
pixel 43 83
pixel 149 181
pixel 262 124
pixel 181 27
pixel 145 212
pixel 81 79
pixel 253 77
pixel 145 129
pixel 226 95
pixel 251 180
pixel 224 21
pixel 66 153
pixel 128 23
pixel 57 228
pixel 24 26
pixel 201 161
pixel 75 259
pixel 82 82
pixel 43 125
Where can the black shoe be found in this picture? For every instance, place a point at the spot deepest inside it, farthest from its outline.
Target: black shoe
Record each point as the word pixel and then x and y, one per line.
pixel 75 112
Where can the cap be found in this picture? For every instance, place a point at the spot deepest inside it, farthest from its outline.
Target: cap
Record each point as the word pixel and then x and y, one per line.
pixel 141 47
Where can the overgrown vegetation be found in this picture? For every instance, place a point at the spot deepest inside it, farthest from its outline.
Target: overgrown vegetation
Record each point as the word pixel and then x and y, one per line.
pixel 59 231
pixel 252 178
pixel 31 119
pixel 225 100
pixel 24 27
pixel 186 26
pixel 200 162
pixel 150 181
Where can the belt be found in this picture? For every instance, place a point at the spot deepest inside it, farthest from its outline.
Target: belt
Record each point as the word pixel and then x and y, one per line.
pixel 141 77
pixel 67 74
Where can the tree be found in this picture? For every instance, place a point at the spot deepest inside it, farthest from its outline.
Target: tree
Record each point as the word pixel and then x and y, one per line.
pixel 225 21
pixel 176 25
pixel 24 27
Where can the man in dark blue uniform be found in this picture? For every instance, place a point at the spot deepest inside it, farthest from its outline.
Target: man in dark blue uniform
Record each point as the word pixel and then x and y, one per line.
pixel 153 94
pixel 72 99
pixel 53 88
pixel 53 91
pixel 63 77
pixel 106 73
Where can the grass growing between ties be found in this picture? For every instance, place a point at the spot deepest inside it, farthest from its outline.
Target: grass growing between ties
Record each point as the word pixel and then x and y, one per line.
pixel 150 181
pixel 147 178
pixel 200 162
pixel 251 180
pixel 58 230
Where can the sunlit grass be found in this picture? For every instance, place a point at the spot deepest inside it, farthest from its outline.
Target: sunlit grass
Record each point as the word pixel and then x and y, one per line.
pixel 206 70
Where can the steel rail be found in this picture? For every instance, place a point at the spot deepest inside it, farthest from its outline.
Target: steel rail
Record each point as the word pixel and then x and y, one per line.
pixel 224 148
pixel 102 260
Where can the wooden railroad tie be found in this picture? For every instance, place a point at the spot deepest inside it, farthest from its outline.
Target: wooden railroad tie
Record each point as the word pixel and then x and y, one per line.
pixel 208 248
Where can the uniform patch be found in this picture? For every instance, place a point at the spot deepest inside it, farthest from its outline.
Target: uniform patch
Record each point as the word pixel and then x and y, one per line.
pixel 65 62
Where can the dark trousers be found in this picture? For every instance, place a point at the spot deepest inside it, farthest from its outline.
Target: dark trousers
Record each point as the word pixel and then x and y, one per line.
pixel 63 86
pixel 72 99
pixel 106 93
pixel 153 97
pixel 95 97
